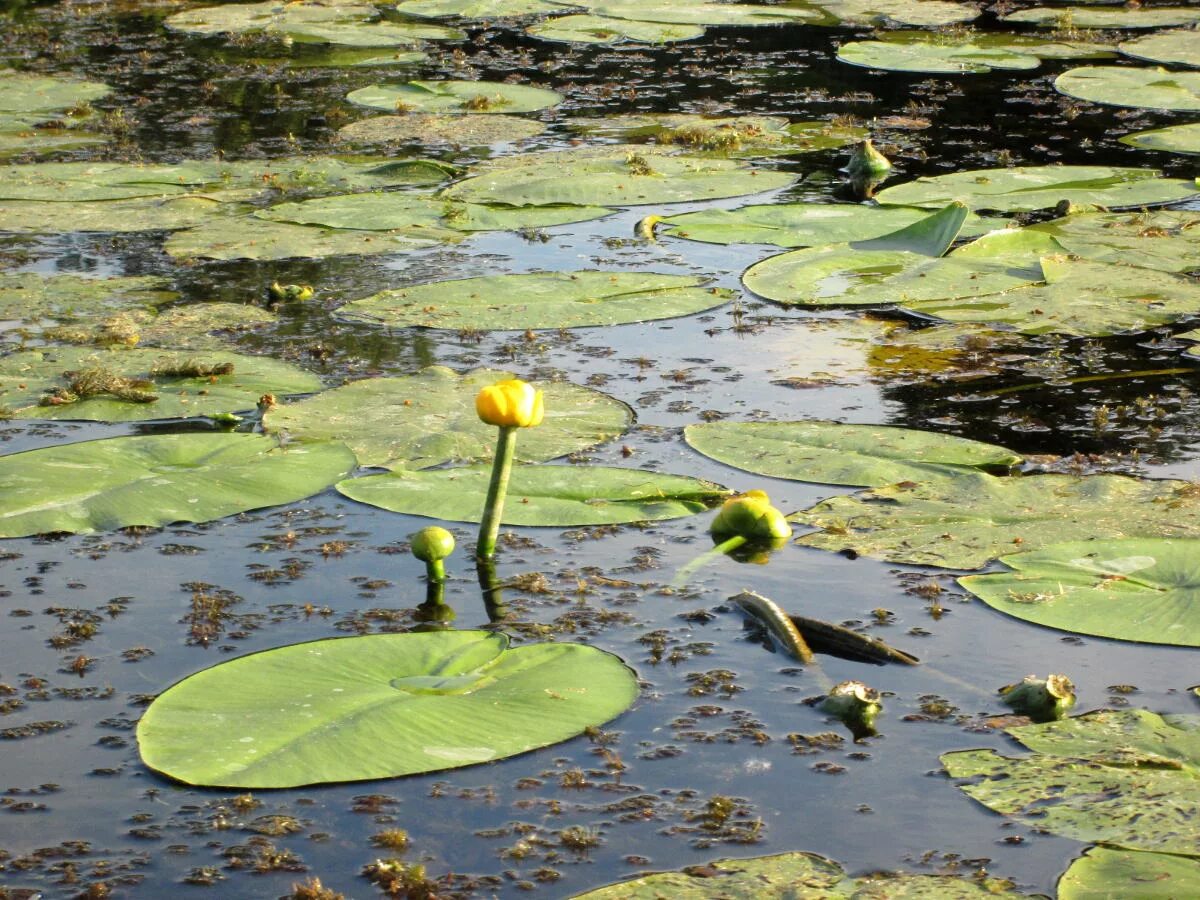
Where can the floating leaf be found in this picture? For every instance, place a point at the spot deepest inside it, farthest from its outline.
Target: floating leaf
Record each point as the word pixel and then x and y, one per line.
pixel 347 23
pixel 425 128
pixel 26 93
pixel 583 29
pixel 476 9
pixel 608 176
pixel 1029 188
pixel 921 13
pixel 739 137
pixel 137 214
pixel 455 97
pixel 834 453
pixel 908 355
pixel 158 479
pixel 1132 874
pixel 1131 86
pixel 377 706
pixel 193 326
pixel 698 12
pixel 967 521
pixel 428 419
pixel 926 53
pixel 539 300
pixel 1174 139
pixel 559 496
pixel 21 136
pixel 353 57
pixel 1167 240
pixel 28 376
pixel 1132 590
pixel 1080 297
pixel 1171 48
pixel 1073 17
pixel 29 297
pixel 1128 778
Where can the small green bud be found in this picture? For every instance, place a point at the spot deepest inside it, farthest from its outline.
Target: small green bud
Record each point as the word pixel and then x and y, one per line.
pixel 866 160
pixel 750 515
pixel 1041 699
pixel 432 544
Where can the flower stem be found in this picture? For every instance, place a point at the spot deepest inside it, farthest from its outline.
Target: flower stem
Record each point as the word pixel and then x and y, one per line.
pixel 686 572
pixel 435 571
pixel 493 508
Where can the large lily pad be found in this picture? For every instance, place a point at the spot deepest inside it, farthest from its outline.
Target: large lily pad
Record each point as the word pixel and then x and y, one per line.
pixel 1132 86
pixel 925 53
pixel 1171 48
pixel 698 12
pixel 27 93
pixel 476 9
pixel 378 706
pixel 919 13
pixel 965 522
pixel 1029 188
pixel 455 97
pixel 1089 17
pixel 158 479
pixel 834 453
pixel 197 325
pixel 429 418
pixel 791 224
pixel 608 176
pixel 788 876
pixel 1144 589
pixel 1163 239
pixel 350 58
pixel 539 300
pixel 1173 139
pixel 1133 874
pixel 1079 297
pixel 136 214
pixel 348 23
pixel 26 136
pixel 559 496
pixel 1127 778
pixel 585 29
pixel 28 376
pixel 428 128
pixel 30 298
pixel 31 113
pixel 740 137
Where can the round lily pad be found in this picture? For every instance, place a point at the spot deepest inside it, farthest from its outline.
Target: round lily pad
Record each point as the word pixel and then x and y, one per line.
pixel 967 521
pixel 740 137
pixel 928 54
pixel 348 23
pixel 698 12
pixel 476 9
pixel 377 706
pixel 1173 139
pixel 428 128
pixel 539 300
pixel 455 97
pixel 158 479
pixel 1089 17
pixel 1163 239
pixel 610 176
pixel 427 419
pixel 1171 48
pixel 559 496
pixel 27 93
pixel 1132 86
pixel 919 13
pixel 1145 589
pixel 1029 188
pixel 1133 874
pixel 585 29
pixel 136 385
pixel 791 224
pixel 835 453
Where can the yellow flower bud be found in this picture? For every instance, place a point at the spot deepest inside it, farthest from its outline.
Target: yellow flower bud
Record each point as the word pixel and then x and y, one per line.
pixel 751 515
pixel 511 403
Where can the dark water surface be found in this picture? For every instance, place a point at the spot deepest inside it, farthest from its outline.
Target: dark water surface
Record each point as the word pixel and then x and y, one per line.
pixel 76 805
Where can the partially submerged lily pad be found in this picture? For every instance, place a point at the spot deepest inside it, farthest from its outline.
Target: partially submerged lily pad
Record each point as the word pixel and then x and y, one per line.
pixel 1145 589
pixel 377 706
pixel 455 97
pixel 538 300
pixel 698 12
pixel 559 496
pixel 741 137
pixel 1127 778
pixel 115 385
pixel 919 13
pixel 585 29
pixel 428 128
pixel 336 22
pixel 1029 188
pixel 1132 86
pixel 610 176
pixel 476 9
pixel 31 298
pixel 1173 139
pixel 1163 239
pixel 1071 17
pixel 1171 48
pixel 967 521
pixel 1133 874
pixel 155 480
pixel 836 453
pixel 427 419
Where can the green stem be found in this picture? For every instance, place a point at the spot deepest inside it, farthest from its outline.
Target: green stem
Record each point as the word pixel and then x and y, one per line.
pixel 684 574
pixel 435 571
pixel 490 588
pixel 489 527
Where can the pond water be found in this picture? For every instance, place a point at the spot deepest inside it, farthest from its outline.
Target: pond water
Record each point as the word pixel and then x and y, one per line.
pixel 78 809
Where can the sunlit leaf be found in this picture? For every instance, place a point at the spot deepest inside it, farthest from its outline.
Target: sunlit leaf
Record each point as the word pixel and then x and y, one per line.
pixel 739 137
pixel 1171 48
pixel 428 128
pixel 455 97
pixel 1070 17
pixel 584 29
pixel 1132 86
pixel 1173 139
pixel 1163 239
pixel 1133 874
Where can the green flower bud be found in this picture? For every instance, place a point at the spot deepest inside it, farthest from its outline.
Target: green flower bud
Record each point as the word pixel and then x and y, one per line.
pixel 1041 699
pixel 750 515
pixel 432 544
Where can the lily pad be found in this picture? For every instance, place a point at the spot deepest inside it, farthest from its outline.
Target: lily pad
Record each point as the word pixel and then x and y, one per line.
pixel 1132 590
pixel 1173 139
pixel 347 23
pixel 1171 48
pixel 834 453
pixel 1133 874
pixel 426 128
pixel 967 521
pixel 585 29
pixel 1126 778
pixel 1132 86
pixel 1029 188
pixel 28 376
pixel 378 706
pixel 538 300
pixel 919 13
pixel 946 352
pixel 427 419
pixel 791 224
pixel 559 496
pixel 28 93
pixel 698 12
pixel 113 216
pixel 30 298
pixel 352 58
pixel 739 137
pixel 1071 17
pixel 1079 297
pixel 927 54
pixel 476 9
pixel 195 326
pixel 610 176
pixel 21 137
pixel 1163 239
pixel 455 97
pixel 422 216
pixel 158 479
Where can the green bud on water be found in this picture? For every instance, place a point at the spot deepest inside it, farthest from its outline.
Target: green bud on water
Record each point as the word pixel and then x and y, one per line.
pixel 1041 699
pixel 866 161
